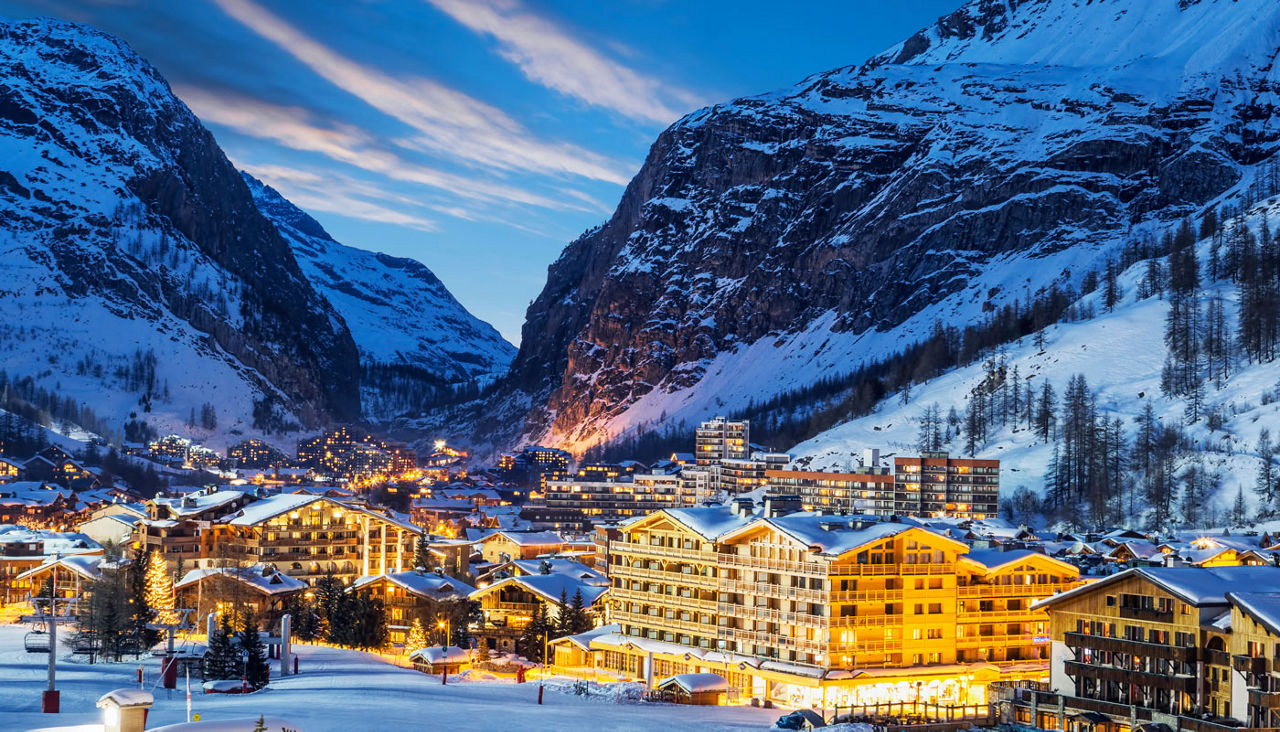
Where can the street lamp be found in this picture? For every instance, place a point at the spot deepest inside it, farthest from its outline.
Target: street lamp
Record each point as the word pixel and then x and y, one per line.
pixel 443 626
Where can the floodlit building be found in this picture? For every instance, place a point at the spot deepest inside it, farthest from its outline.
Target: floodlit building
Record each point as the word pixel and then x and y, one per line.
pixel 936 484
pixel 1193 648
pixel 798 607
pixel 309 536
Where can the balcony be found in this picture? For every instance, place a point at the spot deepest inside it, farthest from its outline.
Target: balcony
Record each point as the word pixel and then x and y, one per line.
pixel 779 565
pixel 1182 683
pixel 866 621
pixel 1264 699
pixel 1249 664
pixel 1184 654
pixel 1037 591
pixel 1146 613
pixel 867 596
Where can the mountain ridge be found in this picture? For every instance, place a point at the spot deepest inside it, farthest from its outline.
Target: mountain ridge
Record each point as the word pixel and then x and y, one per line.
pixel 839 218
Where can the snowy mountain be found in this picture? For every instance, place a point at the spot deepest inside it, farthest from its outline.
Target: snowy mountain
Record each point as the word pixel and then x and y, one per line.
pixel 774 240
pixel 1121 353
pixel 401 316
pixel 139 275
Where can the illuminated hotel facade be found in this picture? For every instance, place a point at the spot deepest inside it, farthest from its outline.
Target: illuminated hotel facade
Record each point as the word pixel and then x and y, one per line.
pixel 818 610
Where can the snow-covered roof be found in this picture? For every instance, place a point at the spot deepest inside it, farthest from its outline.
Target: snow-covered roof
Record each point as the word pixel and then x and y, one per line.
pixel 710 522
pixel 1263 607
pixel 832 535
pixel 199 501
pixel 550 587
pixel 126 698
pixel 430 585
pixel 994 558
pixel 52 542
pixel 583 640
pixel 1200 586
pixel 696 683
pixel 440 654
pixel 268 508
pixel 557 565
pixel 262 577
pixel 532 538
pixel 87 566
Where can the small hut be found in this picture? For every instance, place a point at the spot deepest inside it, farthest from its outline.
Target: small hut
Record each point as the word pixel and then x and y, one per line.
pixel 440 659
pixel 702 689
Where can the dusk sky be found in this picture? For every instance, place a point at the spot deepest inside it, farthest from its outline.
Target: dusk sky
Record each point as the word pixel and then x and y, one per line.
pixel 477 136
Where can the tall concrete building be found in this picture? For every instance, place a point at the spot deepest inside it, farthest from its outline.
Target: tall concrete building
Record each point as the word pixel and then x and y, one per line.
pixel 936 484
pixel 718 440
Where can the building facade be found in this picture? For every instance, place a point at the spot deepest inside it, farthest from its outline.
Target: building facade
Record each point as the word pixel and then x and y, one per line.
pixel 867 491
pixel 813 598
pixel 935 484
pixel 719 439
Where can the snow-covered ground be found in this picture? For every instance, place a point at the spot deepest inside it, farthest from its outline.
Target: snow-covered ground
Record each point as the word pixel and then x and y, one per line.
pixel 347 690
pixel 1121 354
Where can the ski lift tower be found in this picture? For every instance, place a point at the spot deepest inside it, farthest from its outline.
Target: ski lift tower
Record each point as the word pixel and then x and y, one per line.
pixel 169 667
pixel 51 611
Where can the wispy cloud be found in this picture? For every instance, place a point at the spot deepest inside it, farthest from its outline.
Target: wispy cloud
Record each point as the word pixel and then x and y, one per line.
pixel 336 194
pixel 447 122
pixel 297 128
pixel 549 56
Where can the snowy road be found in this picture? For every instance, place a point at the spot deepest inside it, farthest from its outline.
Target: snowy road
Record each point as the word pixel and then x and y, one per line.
pixel 348 690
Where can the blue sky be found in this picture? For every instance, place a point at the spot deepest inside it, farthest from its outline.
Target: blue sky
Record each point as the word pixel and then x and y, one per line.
pixel 477 136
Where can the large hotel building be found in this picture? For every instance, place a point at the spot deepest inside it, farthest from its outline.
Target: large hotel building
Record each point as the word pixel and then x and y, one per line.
pixel 808 609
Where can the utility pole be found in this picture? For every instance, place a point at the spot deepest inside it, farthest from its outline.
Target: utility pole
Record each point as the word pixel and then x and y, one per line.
pixel 46 612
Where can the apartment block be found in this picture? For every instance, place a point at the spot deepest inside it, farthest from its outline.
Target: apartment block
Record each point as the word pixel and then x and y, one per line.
pixel 720 439
pixel 935 484
pixel 865 491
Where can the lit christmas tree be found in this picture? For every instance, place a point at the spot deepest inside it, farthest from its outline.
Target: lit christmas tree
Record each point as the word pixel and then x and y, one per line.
pixel 417 638
pixel 160 589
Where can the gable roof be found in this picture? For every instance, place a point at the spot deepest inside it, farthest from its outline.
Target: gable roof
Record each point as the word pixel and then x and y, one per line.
pixel 429 585
pixel 1199 586
pixel 261 577
pixel 550 586
pixel 1263 607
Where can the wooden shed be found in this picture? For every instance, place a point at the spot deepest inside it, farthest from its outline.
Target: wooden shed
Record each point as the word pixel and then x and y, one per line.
pixel 696 688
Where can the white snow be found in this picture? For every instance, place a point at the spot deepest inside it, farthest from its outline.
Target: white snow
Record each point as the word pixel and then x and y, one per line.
pixel 342 690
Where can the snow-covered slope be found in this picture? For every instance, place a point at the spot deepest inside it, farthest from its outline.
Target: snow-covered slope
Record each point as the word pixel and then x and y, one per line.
pixel 777 238
pixel 1121 354
pixel 138 276
pixel 399 313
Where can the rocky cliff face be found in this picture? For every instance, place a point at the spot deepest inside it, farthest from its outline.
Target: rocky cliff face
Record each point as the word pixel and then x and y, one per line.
pixel 139 274
pixel 774 239
pixel 409 329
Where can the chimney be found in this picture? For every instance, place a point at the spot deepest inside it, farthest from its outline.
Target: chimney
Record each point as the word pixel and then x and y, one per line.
pixel 775 506
pixel 743 507
pixel 871 457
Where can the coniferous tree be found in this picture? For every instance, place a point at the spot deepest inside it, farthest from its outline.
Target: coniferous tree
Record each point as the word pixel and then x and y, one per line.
pixel 220 660
pixel 256 669
pixel 532 638
pixel 580 619
pixel 1045 408
pixel 139 607
pixel 1239 511
pixel 1266 483
pixel 416 639
pixel 159 591
pixel 422 552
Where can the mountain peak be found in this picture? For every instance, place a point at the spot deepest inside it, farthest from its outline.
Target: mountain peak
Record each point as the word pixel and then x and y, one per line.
pixel 1187 37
